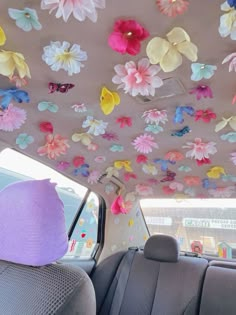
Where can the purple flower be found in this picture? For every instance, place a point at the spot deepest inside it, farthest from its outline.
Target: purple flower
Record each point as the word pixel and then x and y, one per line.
pixel 110 136
pixel 202 91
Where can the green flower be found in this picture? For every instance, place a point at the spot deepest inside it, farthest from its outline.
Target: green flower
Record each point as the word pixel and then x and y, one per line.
pixel 26 19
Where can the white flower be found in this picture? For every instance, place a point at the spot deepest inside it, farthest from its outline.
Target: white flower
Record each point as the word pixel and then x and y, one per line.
pixel 60 56
pixel 96 127
pixel 149 169
pixel 228 21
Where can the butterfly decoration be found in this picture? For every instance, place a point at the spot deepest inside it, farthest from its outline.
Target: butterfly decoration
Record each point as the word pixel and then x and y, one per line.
pixel 82 170
pixel 206 183
pixel 23 140
pixel 181 132
pixel 170 176
pixel 179 112
pixel 42 106
pixel 58 87
pixel 164 163
pixel 15 94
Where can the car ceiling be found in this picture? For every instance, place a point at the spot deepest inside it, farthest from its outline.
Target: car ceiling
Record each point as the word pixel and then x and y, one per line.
pixel 201 21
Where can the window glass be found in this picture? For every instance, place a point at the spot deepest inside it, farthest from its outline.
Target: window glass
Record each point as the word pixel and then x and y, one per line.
pixel 201 226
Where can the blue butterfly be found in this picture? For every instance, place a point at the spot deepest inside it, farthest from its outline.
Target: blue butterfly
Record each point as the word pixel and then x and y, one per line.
pixel 82 170
pixel 17 95
pixel 179 113
pixel 181 132
pixel 164 163
pixel 206 183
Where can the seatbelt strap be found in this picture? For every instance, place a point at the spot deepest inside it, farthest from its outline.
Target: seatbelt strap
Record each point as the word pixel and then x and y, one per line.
pixel 122 281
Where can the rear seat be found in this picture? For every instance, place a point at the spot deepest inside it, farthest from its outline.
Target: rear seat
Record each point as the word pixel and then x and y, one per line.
pixel 159 281
pixel 218 295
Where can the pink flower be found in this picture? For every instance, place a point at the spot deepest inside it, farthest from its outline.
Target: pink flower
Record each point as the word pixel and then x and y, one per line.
pixel 12 118
pixel 128 176
pixel 200 150
pixel 54 146
pixel 192 180
pixel 62 165
pixel 80 8
pixel 110 136
pixel 141 79
pixel 152 181
pixel 233 157
pixel 176 186
pixel 203 161
pixel 202 91
pixel 232 64
pixel 172 8
pixel 167 190
pixel 141 159
pixel 155 116
pixel 92 147
pixel 19 82
pixel 118 206
pixel 127 36
pixel 222 192
pixel 144 144
pixel 143 190
pixel 174 156
pixel 124 121
pixel 100 159
pixel 205 115
pixel 234 100
pixel 93 177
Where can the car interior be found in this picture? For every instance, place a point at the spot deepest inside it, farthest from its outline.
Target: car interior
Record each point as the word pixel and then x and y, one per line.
pixel 117 157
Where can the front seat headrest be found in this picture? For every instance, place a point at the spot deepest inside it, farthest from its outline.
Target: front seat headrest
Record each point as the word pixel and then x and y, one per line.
pixel 162 248
pixel 32 223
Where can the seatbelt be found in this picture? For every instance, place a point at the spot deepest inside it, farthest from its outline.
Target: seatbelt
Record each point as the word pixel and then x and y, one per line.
pixel 122 281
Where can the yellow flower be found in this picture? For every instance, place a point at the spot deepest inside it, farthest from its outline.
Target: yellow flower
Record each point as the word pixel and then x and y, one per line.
pixel 168 53
pixel 11 61
pixel 215 172
pixel 2 37
pixel 84 138
pixel 126 164
pixel 108 100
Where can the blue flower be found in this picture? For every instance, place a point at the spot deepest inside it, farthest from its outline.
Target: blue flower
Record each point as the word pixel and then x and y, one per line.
pixel 232 3
pixel 42 106
pixel 23 140
pixel 117 148
pixel 201 71
pixel 26 19
pixel 207 184
pixel 82 170
pixel 15 94
pixel 230 137
pixel 164 163
pixel 179 113
pixel 154 129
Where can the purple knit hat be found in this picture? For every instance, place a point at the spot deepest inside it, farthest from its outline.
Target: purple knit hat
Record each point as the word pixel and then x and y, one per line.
pixel 32 223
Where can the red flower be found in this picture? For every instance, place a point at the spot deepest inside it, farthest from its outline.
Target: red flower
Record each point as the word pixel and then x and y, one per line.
pixel 78 161
pixel 202 91
pixel 205 115
pixel 46 126
pixel 128 176
pixel 203 161
pixel 126 37
pixel 124 121
pixel 167 190
pixel 141 158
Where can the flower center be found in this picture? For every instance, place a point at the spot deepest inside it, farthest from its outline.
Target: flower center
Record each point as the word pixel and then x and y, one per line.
pixel 202 67
pixel 64 57
pixel 27 15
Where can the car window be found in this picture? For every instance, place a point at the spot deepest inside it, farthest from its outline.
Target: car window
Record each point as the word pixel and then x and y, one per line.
pixel 200 226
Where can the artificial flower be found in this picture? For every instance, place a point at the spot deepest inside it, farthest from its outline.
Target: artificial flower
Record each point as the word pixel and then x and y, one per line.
pixel 128 176
pixel 184 168
pixel 155 116
pixel 228 21
pixel 190 192
pixel 204 115
pixel 174 156
pixel 19 96
pixel 60 87
pixel 179 113
pixel 79 8
pixel 79 108
pixel 167 190
pixel 150 169
pixel 203 161
pixel 124 121
pixel 192 180
pixel 12 118
pixel 169 177
pixel 222 192
pixel 143 190
pixel 61 56
pixel 96 127
pixel 234 100
pixel 168 53
pixel 232 3
pixel 94 177
pixel 225 121
pixel 154 129
pixel 100 159
pixel 172 8
pixel 46 126
pixel 164 163
pixel 141 159
pixel 199 149
pixel 216 172
pixel 10 62
pixel 181 132
pixel 51 107
pixel 232 62
pixel 117 148
pixel 141 79
pixel 233 157
pixel 84 138
pixel 118 206
pixel 126 164
pixel 207 184
pixel 19 82
pixel 110 136
pixel 26 19
pixel 92 147
pixel 23 140
pixel 55 146
pixel 144 144
pixel 127 36
pixel 2 37
pixel 202 91
pixel 176 186
pixel 108 100
pixel 78 161
pixel 227 178
pixel 153 181
pixel 201 71
pixel 82 170
pixel 230 137
pixel 112 171
pixel 62 165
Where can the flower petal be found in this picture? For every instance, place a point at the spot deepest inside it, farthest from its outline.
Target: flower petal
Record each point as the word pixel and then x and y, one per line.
pixel 177 35
pixel 189 50
pixel 156 49
pixel 171 61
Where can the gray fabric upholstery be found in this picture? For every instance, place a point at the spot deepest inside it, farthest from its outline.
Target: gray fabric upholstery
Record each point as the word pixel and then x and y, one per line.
pixel 218 295
pixel 53 289
pixel 162 248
